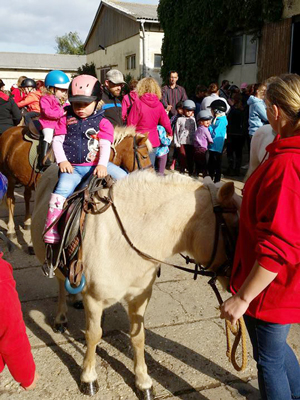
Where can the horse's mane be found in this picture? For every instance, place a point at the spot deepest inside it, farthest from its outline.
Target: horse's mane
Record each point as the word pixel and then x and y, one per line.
pixel 121 132
pixel 149 181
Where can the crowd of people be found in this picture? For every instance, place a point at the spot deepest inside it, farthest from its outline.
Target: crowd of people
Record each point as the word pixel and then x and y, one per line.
pixel 151 108
pixel 265 276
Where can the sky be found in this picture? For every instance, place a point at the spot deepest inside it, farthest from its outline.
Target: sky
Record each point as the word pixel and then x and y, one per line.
pixel 31 26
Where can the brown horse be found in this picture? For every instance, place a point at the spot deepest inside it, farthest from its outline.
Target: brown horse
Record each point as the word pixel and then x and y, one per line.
pixel 130 151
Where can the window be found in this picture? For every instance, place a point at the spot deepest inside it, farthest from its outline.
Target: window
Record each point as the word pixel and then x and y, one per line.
pixel 244 49
pixel 250 50
pixel 157 60
pixel 130 62
pixel 237 44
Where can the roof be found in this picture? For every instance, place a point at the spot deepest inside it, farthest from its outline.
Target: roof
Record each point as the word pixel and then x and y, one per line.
pixel 136 11
pixel 64 62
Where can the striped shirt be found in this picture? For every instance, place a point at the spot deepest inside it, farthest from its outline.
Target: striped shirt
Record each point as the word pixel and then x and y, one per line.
pixel 172 97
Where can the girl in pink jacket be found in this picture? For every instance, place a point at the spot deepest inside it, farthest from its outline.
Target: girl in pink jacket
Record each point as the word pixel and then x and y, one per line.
pixel 52 110
pixel 147 112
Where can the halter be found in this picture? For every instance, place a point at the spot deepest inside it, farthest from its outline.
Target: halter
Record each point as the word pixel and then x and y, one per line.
pixel 136 158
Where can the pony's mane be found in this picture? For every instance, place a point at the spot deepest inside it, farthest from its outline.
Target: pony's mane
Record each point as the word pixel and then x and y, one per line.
pixel 120 133
pixel 149 181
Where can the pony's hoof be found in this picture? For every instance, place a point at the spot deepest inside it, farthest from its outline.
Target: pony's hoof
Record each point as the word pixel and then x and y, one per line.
pixel 78 305
pixel 89 388
pixel 31 251
pixel 147 394
pixel 60 327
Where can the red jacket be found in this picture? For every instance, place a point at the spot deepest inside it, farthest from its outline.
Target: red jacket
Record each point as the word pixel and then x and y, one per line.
pixel 15 349
pixel 17 94
pixel 270 233
pixel 32 101
pixel 146 113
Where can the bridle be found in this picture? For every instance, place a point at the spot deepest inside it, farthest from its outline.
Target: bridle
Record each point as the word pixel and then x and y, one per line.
pixel 137 155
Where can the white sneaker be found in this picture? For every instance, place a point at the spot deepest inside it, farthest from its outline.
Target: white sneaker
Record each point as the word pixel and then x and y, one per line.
pixel 246 166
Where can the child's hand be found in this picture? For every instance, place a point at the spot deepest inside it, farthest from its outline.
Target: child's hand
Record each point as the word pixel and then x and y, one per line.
pixel 35 379
pixel 65 166
pixel 100 171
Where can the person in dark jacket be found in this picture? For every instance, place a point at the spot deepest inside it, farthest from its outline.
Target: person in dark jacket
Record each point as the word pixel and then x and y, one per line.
pixel 10 115
pixel 235 135
pixel 111 92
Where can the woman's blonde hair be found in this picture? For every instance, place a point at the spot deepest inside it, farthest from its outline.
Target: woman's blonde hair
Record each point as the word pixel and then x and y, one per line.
pixel 148 85
pixel 20 80
pixel 284 92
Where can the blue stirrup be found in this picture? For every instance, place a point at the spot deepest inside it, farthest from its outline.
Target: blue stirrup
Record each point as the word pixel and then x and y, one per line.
pixel 70 289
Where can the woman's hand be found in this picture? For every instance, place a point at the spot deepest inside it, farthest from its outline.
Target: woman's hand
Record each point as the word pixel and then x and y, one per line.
pixel 65 166
pixel 33 385
pixel 234 308
pixel 100 171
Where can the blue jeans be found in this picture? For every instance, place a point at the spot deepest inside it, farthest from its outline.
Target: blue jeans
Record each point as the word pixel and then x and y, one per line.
pixel 277 365
pixel 68 182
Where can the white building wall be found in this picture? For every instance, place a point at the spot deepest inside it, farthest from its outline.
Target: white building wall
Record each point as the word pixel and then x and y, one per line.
pixel 115 56
pixel 153 41
pixel 240 73
pixel 10 77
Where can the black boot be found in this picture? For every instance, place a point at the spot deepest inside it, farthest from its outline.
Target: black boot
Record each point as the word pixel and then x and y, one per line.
pixel 43 152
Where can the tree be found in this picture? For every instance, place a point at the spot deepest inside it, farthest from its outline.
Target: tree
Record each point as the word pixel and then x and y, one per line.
pixel 87 69
pixel 70 43
pixel 198 37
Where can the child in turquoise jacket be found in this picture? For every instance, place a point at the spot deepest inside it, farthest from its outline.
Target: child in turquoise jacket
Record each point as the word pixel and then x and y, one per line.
pixel 217 130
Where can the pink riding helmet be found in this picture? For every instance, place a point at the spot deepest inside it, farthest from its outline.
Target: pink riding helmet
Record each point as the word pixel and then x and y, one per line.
pixel 85 89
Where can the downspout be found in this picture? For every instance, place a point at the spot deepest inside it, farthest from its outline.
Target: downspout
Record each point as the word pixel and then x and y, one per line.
pixel 142 21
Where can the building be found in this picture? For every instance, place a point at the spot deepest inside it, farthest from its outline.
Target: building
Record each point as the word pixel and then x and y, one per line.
pixel 274 53
pixel 36 66
pixel 125 36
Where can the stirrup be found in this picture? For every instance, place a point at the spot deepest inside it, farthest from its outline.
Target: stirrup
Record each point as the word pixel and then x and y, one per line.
pixel 48 267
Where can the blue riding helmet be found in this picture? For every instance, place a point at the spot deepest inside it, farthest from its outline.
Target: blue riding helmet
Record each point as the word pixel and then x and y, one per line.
pixel 3 185
pixel 57 79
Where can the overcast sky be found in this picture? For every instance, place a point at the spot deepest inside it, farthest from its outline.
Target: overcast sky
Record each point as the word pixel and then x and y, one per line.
pixel 31 26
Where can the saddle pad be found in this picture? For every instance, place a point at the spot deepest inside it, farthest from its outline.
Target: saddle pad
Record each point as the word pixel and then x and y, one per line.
pixel 33 153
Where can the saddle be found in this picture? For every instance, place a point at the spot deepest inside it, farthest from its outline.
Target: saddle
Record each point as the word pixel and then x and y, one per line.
pixel 33 135
pixel 67 255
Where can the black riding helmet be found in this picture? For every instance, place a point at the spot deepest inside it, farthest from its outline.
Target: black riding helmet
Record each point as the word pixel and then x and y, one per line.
pixel 28 82
pixel 218 105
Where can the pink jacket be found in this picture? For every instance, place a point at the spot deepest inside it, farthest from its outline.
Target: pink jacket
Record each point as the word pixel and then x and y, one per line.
pixel 146 113
pixel 126 103
pixel 52 114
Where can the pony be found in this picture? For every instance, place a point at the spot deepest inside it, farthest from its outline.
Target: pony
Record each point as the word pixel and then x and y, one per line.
pixel 162 216
pixel 130 150
pixel 261 139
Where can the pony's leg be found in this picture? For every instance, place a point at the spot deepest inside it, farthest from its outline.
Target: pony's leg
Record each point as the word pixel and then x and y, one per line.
pixel 27 197
pixel 10 200
pixel 93 312
pixel 61 321
pixel 136 311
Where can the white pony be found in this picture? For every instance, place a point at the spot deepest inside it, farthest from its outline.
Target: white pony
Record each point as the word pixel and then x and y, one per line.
pixel 162 216
pixel 261 139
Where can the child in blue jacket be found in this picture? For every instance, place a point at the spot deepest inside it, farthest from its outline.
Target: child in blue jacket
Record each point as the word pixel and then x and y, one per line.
pixel 217 130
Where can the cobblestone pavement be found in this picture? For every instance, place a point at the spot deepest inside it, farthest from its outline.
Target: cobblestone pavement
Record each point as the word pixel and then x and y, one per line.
pixel 185 341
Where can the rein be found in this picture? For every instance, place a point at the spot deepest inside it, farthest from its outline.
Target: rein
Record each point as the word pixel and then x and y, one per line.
pixel 240 331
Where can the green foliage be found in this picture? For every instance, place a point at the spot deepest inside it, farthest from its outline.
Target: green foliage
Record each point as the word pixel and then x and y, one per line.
pixel 87 69
pixel 70 43
pixel 198 34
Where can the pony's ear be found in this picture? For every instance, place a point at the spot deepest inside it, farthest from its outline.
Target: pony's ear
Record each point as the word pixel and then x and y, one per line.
pixel 225 193
pixel 141 139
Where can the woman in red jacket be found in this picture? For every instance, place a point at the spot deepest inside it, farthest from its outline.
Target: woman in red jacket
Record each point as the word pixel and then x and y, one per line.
pixel 147 112
pixel 265 279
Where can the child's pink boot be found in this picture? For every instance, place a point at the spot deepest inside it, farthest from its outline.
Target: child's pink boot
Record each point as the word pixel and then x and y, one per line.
pixel 55 209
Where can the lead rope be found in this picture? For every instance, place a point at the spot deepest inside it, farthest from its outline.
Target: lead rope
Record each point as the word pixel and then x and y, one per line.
pixel 238 330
